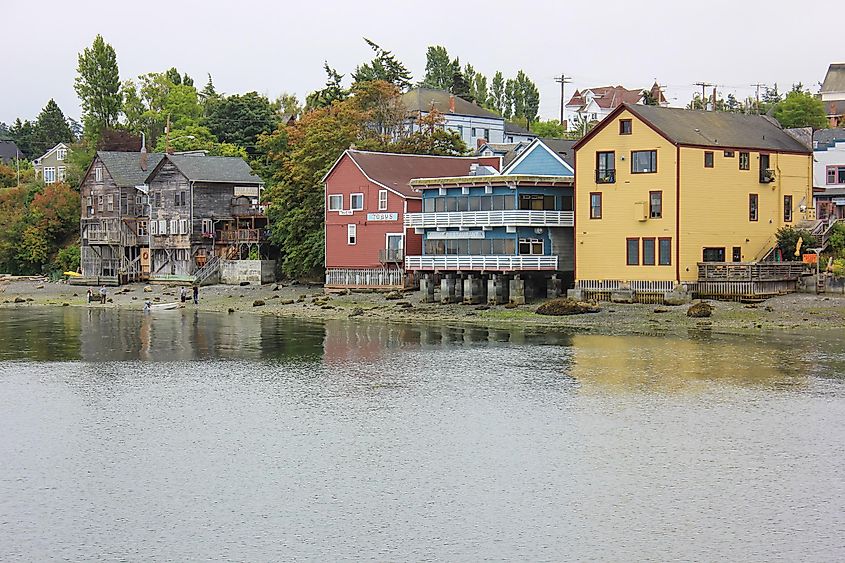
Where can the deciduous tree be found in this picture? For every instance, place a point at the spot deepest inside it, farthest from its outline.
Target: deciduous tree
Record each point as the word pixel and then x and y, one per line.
pixel 98 87
pixel 800 109
pixel 438 68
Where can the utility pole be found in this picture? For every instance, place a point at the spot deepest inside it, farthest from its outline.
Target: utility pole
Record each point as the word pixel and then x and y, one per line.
pixel 563 80
pixel 704 86
pixel 757 107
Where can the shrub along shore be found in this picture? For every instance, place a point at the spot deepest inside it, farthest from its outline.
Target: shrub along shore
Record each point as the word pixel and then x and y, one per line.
pixel 795 313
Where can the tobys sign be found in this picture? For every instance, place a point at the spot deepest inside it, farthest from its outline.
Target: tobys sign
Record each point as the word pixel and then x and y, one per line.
pixel 382 216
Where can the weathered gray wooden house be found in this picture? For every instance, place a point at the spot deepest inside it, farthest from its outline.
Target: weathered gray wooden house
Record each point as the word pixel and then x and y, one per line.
pixel 164 217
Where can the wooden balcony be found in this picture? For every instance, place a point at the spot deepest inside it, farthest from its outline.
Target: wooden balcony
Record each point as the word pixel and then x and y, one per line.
pixel 249 210
pixel 239 236
pixel 749 271
pixel 504 218
pixel 494 263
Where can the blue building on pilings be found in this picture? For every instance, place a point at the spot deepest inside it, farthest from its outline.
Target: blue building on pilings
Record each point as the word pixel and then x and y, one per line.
pixel 498 238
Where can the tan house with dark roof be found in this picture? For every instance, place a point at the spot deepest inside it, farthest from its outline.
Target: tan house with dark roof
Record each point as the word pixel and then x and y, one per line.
pixel 833 94
pixel 51 165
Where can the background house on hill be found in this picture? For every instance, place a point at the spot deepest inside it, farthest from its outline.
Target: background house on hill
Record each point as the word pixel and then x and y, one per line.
pixel 515 133
pixel 594 104
pixel 51 166
pixel 829 173
pixel 9 151
pixel 472 122
pixel 367 197
pixel 833 94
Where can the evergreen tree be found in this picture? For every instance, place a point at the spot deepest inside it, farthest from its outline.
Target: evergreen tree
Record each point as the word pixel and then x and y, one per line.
pixel 438 68
pixel 51 128
pixel 497 93
pixel 479 90
pixel 384 67
pixel 98 87
pixel 240 119
pixel 208 97
pixel 460 87
pixel 333 92
pixel 508 98
pixel 23 133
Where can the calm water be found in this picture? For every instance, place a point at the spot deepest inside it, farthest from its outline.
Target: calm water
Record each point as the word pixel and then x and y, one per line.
pixel 192 437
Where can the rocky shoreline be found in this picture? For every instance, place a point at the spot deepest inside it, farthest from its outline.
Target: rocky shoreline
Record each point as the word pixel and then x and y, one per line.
pixel 795 313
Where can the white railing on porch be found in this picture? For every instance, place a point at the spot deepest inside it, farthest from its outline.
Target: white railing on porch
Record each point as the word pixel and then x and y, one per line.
pixel 644 286
pixel 366 278
pixel 508 218
pixel 491 263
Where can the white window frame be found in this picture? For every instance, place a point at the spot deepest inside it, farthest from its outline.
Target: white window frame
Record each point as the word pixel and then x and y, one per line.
pixel 382 200
pixel 208 227
pixel 61 173
pixel 351 234
pixel 183 226
pixel 142 229
pixel 110 205
pixel 336 198
pixel 352 201
pixel 98 174
pixel 154 227
pixel 49 174
pixel 174 226
pixel 162 227
pixel 100 202
pixel 61 154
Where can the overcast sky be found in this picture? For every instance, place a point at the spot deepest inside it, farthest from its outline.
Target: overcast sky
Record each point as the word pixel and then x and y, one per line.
pixel 273 47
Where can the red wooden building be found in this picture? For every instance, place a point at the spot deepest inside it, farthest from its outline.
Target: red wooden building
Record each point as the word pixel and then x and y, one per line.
pixel 367 196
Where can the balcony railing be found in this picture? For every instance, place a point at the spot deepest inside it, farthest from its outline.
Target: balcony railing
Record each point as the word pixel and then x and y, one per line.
pixel 488 263
pixel 242 236
pixel 606 176
pixel 749 271
pixel 391 256
pixel 506 218
pixel 767 176
pixel 250 210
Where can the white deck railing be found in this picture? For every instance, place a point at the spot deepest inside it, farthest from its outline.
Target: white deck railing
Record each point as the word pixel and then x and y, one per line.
pixel 491 263
pixel 514 217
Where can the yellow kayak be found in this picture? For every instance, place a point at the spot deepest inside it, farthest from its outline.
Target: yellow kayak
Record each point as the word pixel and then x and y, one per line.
pixel 73 274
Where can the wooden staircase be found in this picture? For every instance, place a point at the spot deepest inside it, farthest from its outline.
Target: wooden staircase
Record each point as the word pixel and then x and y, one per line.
pixel 211 268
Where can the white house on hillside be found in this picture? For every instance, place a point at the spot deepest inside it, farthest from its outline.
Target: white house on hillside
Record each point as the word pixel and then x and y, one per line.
pixel 473 123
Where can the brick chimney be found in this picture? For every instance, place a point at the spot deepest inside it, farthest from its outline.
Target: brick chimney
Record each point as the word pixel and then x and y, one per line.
pixel 143 152
pixel 451 103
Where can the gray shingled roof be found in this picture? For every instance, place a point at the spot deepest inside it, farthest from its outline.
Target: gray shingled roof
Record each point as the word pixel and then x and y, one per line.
pixel 229 169
pixel 424 99
pixel 516 129
pixel 125 167
pixel 718 129
pixel 834 80
pixel 9 151
pixel 825 138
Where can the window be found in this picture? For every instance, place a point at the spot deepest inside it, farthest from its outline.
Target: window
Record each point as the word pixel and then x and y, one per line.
pixel 736 254
pixel 335 202
pixel 356 202
pixel 157 199
pixel 49 174
pixel 664 255
pixel 100 202
pixel 351 234
pixel 180 198
pixel 648 252
pixel 643 162
pixel 836 174
pixel 382 200
pixel 531 246
pixel 162 227
pixel 154 228
pixel 183 227
pixel 787 209
pixel 208 227
pixel 632 254
pixel 624 126
pixel 713 255
pixel 744 161
pixel 474 133
pixel 174 226
pixel 765 175
pixel 536 202
pixel 142 229
pixel 61 154
pixel 655 205
pixel 729 154
pixel 111 202
pixel 61 173
pixel 605 167
pixel 752 207
pixel 486 134
pixel 428 204
pixel 98 174
pixel 461 131
pixel 708 159
pixel 595 205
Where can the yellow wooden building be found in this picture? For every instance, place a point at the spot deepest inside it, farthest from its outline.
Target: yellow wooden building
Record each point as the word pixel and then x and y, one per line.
pixel 669 196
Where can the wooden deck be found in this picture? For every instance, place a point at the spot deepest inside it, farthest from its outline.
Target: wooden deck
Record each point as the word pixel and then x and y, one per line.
pixel 749 271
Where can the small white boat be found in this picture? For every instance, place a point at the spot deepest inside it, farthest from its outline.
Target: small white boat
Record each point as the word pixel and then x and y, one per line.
pixel 160 306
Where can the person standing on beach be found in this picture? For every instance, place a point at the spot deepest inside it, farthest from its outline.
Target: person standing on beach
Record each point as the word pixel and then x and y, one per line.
pixel 103 295
pixel 196 294
pixel 183 294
